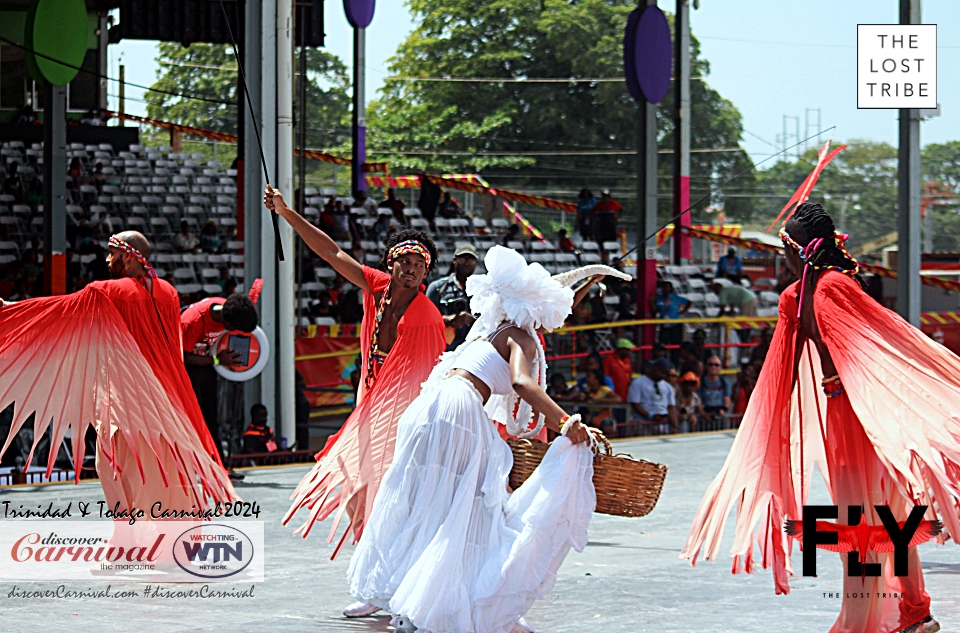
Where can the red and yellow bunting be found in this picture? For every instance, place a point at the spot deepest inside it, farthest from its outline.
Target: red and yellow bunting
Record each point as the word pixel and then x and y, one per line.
pixel 726 230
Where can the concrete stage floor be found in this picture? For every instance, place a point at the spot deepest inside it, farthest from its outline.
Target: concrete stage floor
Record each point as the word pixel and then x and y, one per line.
pixel 629 578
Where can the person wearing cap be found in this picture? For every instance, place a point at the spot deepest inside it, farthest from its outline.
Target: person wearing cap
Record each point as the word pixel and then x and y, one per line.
pixel 670 305
pixel 619 367
pixel 735 296
pixel 689 405
pixel 449 294
pixel 730 265
pixel 653 399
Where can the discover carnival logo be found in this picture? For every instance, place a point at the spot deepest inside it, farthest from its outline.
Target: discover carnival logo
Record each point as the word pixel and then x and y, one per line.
pixel 213 551
pixel 150 551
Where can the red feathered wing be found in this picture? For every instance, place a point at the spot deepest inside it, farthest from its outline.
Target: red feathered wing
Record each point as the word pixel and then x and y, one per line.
pixel 352 464
pixel 73 362
pixel 905 390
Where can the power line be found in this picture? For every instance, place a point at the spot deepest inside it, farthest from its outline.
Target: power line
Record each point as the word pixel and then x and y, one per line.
pixel 108 78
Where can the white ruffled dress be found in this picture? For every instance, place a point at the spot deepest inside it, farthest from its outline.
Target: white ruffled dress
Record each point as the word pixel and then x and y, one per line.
pixel 447 546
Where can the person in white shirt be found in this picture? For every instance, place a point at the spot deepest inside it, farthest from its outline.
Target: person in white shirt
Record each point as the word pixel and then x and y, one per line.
pixel 653 398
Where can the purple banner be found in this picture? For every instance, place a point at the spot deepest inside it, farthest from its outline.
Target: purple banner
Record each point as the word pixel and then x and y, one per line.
pixel 647 54
pixel 359 12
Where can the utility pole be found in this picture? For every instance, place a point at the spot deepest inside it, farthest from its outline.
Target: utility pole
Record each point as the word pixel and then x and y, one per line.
pixel 908 198
pixel 358 181
pixel 681 132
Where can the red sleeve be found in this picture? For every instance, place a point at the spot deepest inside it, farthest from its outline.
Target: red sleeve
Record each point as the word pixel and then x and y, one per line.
pixel 377 280
pixel 191 328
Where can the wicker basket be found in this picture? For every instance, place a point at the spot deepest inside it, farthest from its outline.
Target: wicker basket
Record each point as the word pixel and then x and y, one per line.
pixel 625 486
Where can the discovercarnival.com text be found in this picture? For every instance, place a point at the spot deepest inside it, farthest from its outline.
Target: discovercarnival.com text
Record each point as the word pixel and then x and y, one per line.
pixel 148 592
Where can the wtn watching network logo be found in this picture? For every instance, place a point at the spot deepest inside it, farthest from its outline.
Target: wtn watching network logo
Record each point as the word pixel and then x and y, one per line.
pixel 213 551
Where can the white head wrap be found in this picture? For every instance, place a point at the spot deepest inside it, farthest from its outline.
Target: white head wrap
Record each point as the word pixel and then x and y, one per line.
pixel 512 291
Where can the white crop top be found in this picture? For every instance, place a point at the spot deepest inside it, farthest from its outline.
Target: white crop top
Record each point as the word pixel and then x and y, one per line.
pixel 482 359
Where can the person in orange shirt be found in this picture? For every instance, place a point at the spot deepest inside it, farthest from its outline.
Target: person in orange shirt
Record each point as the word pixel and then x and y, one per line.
pixel 619 366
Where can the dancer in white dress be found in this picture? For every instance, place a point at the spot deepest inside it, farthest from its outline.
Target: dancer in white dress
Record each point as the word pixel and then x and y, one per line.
pixel 447 549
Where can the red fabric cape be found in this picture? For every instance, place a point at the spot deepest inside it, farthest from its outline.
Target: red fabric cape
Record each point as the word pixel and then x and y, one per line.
pixel 351 466
pixel 108 355
pixel 904 389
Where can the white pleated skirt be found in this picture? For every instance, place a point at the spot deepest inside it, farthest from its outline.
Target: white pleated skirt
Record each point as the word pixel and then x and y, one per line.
pixel 446 545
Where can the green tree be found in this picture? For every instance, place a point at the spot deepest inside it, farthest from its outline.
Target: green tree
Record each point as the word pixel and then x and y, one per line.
pixel 941 168
pixel 858 188
pixel 583 130
pixel 210 71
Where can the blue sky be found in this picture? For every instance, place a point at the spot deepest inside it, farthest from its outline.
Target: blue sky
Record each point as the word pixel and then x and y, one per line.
pixel 771 59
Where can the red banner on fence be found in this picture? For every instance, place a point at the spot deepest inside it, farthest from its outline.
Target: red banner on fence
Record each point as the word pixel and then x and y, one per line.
pixel 322 362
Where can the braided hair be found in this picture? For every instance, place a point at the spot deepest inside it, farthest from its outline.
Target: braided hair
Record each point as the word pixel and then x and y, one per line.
pixel 811 221
pixel 410 234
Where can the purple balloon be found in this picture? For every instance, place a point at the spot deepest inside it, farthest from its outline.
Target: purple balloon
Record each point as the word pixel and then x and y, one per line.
pixel 359 12
pixel 648 54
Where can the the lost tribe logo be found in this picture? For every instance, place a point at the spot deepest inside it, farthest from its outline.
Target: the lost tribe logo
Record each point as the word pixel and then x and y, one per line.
pixel 213 551
pixel 857 538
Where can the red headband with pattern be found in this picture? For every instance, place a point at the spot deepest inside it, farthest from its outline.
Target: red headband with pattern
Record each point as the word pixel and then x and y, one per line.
pixel 406 247
pixel 118 243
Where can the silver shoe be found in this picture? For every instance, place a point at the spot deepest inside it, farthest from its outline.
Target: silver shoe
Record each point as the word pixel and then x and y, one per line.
pixel 404 625
pixel 360 610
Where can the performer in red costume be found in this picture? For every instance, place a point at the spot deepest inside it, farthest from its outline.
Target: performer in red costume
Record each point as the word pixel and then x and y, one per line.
pixel 401 339
pixel 109 355
pixel 885 430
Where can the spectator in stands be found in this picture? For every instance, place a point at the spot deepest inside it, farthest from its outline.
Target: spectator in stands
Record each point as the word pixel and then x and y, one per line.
pixel 224 277
pixel 743 389
pixel 653 399
pixel 449 208
pixel 349 302
pixel 34 194
pixel 210 241
pixel 184 241
pixel 75 178
pixel 735 296
pixel 714 393
pixel 689 361
pixel 201 325
pixel 341 222
pixel 596 391
pixel 449 294
pixel 92 117
pixel 31 268
pixel 558 389
pixel 730 265
pixel 357 251
pixel 13 184
pixel 619 366
pixel 565 244
pixel 585 204
pixel 98 177
pixel 381 228
pixel 605 217
pixel 759 353
pixel 358 230
pixel 689 405
pixel 673 376
pixel 669 305
pixel 592 362
pixel 513 235
pixel 700 346
pixel 396 206
pixel 363 201
pixel 302 413
pixel 258 438
pixel 322 307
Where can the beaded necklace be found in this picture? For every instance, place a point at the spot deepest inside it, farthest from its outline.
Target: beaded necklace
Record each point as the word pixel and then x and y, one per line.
pixel 375 356
pixel 806 252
